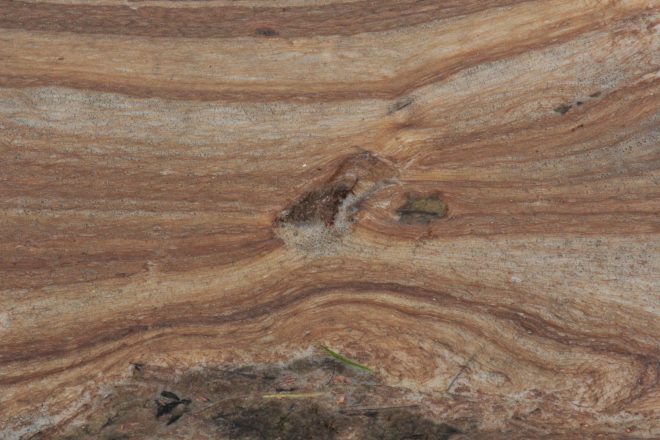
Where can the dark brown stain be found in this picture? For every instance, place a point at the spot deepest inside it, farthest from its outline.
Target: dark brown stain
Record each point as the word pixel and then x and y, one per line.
pixel 230 404
pixel 357 175
pixel 320 205
pixel 563 109
pixel 165 408
pixel 175 407
pixel 422 208
pixel 170 395
pixel 309 420
pixel 401 104
pixel 266 32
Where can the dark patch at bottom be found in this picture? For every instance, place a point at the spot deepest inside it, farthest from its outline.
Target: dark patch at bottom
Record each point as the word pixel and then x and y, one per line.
pixel 308 420
pixel 325 399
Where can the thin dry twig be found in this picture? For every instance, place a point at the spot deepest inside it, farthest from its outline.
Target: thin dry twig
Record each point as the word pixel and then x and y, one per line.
pixel 463 368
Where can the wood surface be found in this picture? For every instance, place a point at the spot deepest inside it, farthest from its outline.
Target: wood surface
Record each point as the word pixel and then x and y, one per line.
pixel 462 195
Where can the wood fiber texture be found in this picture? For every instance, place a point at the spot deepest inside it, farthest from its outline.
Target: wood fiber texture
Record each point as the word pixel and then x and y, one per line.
pixel 462 196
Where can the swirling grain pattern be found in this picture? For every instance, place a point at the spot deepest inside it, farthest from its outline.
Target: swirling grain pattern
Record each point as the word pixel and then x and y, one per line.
pixel 463 195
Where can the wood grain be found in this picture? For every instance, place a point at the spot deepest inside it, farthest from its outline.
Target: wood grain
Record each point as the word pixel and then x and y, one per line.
pixel 463 195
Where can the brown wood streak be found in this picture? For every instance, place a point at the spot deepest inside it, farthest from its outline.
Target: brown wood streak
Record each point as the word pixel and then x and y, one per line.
pixel 388 88
pixel 234 21
pixel 462 195
pixel 172 318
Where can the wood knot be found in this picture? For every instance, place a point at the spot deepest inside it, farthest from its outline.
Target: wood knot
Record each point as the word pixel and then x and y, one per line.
pixel 320 205
pixel 340 196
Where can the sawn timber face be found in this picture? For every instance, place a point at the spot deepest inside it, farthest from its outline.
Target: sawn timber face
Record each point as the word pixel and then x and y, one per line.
pixel 460 196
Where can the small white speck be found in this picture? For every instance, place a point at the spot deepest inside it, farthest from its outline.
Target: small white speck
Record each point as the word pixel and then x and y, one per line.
pixel 516 280
pixel 304 165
